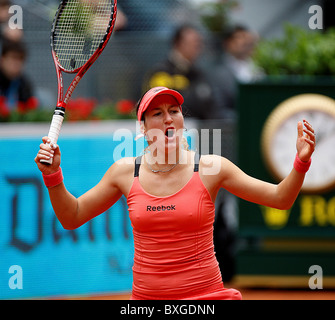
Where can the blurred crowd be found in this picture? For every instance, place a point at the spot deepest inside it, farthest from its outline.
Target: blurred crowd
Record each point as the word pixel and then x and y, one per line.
pixel 210 89
pixel 16 92
pixel 210 92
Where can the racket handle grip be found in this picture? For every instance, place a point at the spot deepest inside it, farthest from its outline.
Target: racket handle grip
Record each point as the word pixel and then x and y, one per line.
pixel 56 124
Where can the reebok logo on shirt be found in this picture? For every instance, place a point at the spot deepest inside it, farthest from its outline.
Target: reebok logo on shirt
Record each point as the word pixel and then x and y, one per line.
pixel 161 208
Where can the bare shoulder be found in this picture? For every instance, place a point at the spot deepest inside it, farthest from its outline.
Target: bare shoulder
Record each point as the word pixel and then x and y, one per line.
pixel 123 166
pixel 125 162
pixel 121 174
pixel 214 169
pixel 211 164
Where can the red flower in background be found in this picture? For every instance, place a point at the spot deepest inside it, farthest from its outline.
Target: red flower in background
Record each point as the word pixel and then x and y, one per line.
pixel 22 106
pixel 30 104
pixel 4 111
pixel 80 109
pixel 125 106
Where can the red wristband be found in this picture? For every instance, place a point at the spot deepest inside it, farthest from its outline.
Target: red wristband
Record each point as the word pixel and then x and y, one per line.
pixel 301 166
pixel 54 179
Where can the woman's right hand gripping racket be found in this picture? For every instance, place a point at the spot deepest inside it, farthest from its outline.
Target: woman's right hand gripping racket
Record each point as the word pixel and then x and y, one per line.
pixel 80 32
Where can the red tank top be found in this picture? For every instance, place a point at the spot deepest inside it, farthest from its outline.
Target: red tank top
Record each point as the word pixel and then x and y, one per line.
pixel 173 238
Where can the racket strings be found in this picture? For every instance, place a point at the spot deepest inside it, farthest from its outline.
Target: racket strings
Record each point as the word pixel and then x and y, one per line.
pixel 79 30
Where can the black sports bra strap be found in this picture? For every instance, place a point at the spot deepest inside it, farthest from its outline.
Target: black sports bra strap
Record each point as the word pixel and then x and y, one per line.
pixel 138 161
pixel 196 162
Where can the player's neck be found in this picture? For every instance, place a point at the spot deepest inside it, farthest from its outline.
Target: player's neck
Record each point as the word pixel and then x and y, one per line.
pixel 161 158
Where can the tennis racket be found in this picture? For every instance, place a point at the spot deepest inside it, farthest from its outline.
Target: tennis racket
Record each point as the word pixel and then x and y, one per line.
pixel 80 32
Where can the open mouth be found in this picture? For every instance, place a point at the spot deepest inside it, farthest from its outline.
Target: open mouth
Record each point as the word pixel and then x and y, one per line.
pixel 170 132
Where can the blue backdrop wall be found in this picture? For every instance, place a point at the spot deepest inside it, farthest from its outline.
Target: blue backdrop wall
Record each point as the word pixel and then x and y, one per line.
pixel 51 261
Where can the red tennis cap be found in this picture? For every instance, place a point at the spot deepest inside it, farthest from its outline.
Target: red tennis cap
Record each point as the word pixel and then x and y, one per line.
pixel 153 93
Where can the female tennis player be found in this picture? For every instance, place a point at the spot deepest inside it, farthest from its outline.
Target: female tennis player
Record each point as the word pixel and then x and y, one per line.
pixel 171 194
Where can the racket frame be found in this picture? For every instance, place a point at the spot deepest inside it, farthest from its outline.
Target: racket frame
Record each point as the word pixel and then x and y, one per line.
pixel 63 100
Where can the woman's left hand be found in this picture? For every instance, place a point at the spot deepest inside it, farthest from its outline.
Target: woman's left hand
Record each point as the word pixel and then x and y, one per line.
pixel 305 142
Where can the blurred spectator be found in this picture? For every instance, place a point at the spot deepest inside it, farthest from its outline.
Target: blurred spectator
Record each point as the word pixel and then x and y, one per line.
pixel 236 67
pixel 15 89
pixel 151 15
pixel 121 20
pixel 179 71
pixel 4 11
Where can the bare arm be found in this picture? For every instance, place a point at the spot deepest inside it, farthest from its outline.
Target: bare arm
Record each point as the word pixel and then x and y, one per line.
pixel 72 212
pixel 280 196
